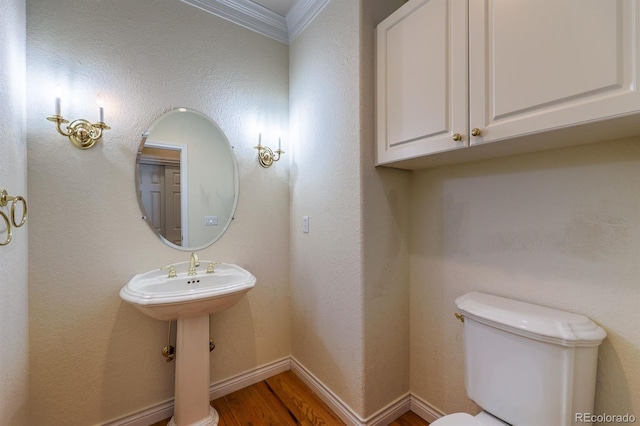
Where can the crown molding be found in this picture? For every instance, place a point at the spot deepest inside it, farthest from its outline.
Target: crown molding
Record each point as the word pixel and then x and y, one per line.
pixel 247 14
pixel 262 20
pixel 302 14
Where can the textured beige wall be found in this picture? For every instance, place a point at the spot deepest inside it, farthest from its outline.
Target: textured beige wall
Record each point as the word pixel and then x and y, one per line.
pixel 350 273
pixel 385 223
pixel 326 274
pixel 14 374
pixel 559 228
pixel 93 357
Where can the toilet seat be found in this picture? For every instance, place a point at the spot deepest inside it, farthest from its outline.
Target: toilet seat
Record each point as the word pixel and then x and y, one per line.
pixel 457 419
pixel 464 419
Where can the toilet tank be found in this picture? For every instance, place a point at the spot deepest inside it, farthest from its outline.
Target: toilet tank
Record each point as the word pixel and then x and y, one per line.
pixel 526 364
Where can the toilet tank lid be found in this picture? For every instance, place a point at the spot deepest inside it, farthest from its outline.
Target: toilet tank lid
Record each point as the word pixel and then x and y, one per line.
pixel 533 321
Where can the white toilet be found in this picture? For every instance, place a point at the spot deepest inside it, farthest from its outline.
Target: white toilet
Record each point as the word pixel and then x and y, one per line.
pixel 526 365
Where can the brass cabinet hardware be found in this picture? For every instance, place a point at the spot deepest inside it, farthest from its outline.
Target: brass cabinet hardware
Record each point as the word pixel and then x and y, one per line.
pixel 476 132
pixel 457 137
pixel 459 316
pixel 212 345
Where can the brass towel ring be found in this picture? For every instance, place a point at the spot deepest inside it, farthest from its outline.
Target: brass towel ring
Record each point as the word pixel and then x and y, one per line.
pixel 4 201
pixel 9 231
pixel 13 211
pixel 5 198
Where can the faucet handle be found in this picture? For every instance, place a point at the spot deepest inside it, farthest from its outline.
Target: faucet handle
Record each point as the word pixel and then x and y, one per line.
pixel 210 267
pixel 172 271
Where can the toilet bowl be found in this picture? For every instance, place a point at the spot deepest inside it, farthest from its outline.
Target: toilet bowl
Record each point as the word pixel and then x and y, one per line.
pixel 527 365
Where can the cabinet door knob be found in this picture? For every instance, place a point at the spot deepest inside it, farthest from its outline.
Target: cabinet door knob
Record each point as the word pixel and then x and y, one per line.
pixel 476 132
pixel 457 137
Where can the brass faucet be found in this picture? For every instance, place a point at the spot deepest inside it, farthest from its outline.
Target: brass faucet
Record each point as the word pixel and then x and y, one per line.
pixel 194 262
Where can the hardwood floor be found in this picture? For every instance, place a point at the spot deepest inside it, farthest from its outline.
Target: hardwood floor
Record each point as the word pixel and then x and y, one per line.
pixel 282 400
pixel 409 419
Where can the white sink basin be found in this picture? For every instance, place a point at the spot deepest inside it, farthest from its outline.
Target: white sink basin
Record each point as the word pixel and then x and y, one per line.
pixel 184 296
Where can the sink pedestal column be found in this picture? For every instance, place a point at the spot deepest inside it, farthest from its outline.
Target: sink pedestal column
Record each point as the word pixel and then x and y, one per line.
pixel 192 407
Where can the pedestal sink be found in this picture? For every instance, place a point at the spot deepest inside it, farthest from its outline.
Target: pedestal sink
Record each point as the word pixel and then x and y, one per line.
pixel 174 295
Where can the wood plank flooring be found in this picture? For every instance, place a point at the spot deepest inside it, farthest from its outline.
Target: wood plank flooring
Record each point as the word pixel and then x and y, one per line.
pixel 282 400
pixel 409 419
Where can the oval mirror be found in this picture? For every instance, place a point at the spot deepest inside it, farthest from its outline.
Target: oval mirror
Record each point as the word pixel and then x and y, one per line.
pixel 186 179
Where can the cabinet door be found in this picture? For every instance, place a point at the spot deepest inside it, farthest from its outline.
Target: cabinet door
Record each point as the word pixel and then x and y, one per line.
pixel 536 65
pixel 422 98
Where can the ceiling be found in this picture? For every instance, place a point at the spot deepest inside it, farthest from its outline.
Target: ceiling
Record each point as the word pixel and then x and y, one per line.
pixel 280 20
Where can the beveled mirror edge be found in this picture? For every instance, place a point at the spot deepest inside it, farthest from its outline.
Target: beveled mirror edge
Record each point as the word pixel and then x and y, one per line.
pixel 236 178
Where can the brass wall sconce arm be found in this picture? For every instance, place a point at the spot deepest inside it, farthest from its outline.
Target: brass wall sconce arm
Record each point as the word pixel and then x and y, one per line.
pixel 266 155
pixel 81 133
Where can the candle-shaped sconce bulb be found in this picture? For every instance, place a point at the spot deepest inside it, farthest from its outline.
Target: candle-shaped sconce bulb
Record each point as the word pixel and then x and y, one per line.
pixel 100 103
pixel 279 144
pixel 259 139
pixel 58 101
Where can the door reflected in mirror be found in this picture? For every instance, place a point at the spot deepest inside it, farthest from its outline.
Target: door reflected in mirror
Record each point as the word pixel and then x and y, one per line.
pixel 187 179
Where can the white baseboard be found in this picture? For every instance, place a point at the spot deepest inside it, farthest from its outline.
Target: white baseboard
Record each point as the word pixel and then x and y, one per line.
pixel 164 410
pixel 337 405
pixel 251 377
pixel 382 417
pixel 391 412
pixel 425 410
pixel 146 416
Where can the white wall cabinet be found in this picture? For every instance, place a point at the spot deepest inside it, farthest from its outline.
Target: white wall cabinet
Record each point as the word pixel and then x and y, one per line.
pixel 459 80
pixel 422 94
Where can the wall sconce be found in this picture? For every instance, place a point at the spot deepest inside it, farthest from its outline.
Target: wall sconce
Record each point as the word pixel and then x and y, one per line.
pixel 266 156
pixel 82 133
